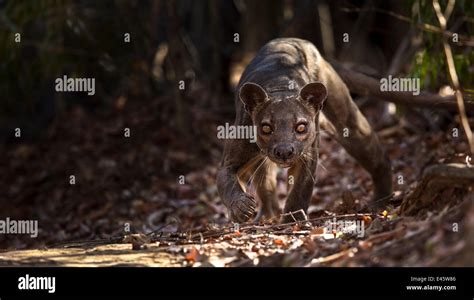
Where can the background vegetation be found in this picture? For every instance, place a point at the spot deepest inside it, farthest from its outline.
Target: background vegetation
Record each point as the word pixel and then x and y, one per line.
pixel 194 41
pixel 132 181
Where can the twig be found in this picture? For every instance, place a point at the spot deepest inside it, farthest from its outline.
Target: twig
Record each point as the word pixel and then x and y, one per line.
pixel 314 220
pixel 228 230
pixel 463 40
pixel 292 213
pixel 87 243
pixel 449 9
pixel 443 19
pixel 183 238
pixel 333 257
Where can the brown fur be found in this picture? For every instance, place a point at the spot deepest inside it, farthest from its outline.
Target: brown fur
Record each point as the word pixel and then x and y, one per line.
pixel 319 96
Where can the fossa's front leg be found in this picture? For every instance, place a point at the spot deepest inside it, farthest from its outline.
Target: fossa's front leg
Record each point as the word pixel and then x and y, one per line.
pixel 265 182
pixel 239 159
pixel 240 205
pixel 301 181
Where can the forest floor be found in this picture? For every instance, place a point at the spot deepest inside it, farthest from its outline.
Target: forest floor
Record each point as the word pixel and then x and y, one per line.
pixel 128 208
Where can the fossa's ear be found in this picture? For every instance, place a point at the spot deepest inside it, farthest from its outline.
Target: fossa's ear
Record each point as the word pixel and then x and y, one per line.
pixel 314 93
pixel 251 95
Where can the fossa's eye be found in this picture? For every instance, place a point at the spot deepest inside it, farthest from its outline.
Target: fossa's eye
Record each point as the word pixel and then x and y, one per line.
pixel 266 129
pixel 300 128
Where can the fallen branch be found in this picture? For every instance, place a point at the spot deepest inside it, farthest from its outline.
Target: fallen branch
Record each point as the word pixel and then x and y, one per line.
pixel 364 85
pixel 385 236
pixel 437 181
pixel 201 237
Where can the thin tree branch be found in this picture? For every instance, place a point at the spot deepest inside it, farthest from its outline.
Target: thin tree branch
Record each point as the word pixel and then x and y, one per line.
pixel 463 40
pixel 449 9
pixel 452 72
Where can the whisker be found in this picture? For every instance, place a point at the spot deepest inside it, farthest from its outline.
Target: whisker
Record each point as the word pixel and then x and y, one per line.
pixel 307 156
pixel 307 169
pixel 322 166
pixel 326 132
pixel 255 172
pixel 262 178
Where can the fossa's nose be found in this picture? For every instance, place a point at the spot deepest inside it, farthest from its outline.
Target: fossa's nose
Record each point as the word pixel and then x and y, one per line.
pixel 284 151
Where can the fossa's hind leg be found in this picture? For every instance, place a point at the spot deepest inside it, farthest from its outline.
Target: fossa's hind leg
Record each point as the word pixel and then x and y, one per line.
pixel 353 132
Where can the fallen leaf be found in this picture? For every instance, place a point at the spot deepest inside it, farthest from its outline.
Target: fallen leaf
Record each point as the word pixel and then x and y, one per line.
pixel 279 242
pixel 365 245
pixel 193 255
pixel 367 220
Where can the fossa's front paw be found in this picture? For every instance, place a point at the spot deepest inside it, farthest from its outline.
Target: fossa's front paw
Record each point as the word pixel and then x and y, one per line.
pixel 242 209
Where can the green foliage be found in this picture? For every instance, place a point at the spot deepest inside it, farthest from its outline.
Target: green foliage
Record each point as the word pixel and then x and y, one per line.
pixel 429 64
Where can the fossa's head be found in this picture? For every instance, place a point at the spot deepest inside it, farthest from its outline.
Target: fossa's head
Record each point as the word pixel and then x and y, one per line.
pixel 285 120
